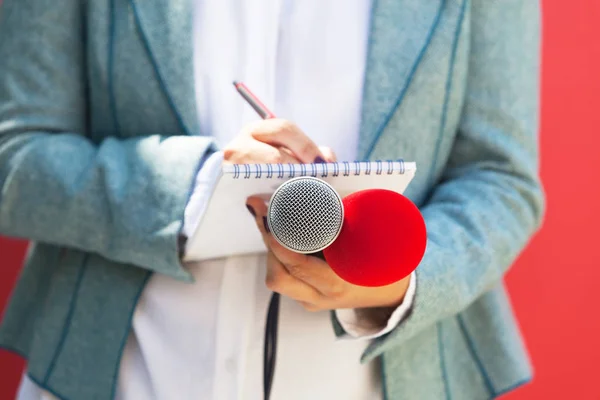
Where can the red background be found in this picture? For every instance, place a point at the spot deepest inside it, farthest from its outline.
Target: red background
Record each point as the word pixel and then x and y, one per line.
pixel 553 285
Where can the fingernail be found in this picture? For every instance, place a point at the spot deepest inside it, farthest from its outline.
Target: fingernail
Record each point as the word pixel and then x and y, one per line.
pixel 266 225
pixel 320 160
pixel 249 207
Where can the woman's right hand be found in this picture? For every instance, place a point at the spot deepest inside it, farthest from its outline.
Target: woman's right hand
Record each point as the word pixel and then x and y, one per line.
pixel 273 141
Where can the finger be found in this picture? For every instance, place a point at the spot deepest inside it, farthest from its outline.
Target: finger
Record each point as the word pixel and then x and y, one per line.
pixel 280 132
pixel 304 267
pixel 313 307
pixel 284 156
pixel 311 270
pixel 259 209
pixel 328 154
pixel 279 280
pixel 250 151
pixel 288 152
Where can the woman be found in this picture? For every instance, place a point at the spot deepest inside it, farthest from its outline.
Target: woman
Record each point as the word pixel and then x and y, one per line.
pixel 112 112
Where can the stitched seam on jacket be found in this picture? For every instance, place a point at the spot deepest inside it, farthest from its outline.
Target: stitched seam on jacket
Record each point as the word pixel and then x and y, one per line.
pixel 59 259
pixel 443 362
pixel 31 377
pixel 383 379
pixel 47 388
pixel 159 76
pixel 69 319
pixel 449 79
pixel 111 65
pixel 511 388
pixel 408 81
pixel 369 49
pixel 486 378
pixel 126 335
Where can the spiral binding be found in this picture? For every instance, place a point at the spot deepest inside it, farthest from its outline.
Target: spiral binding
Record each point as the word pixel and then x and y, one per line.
pixel 278 171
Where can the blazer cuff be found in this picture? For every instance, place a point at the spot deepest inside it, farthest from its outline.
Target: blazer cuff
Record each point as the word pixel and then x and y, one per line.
pixel 358 326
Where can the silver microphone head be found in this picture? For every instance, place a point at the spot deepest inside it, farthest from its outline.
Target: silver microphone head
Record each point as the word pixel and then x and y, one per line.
pixel 305 214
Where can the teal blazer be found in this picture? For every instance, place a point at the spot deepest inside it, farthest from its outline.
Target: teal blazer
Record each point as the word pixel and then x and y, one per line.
pixel 99 143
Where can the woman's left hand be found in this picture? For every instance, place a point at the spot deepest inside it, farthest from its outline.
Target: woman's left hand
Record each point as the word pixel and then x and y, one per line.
pixel 311 281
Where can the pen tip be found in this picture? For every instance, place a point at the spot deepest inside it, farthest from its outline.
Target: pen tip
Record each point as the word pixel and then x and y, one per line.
pixel 235 83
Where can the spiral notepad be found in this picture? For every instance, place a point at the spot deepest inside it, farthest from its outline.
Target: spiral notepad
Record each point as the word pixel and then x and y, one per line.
pixel 228 229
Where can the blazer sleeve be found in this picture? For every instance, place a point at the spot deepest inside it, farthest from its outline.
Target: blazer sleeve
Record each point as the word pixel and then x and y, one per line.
pixel 121 198
pixel 489 201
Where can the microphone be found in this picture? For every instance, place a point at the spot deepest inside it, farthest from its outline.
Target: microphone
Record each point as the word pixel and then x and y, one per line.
pixel 371 238
pixel 305 215
pixel 383 239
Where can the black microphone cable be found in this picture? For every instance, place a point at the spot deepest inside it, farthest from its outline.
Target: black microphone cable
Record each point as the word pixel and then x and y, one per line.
pixel 270 345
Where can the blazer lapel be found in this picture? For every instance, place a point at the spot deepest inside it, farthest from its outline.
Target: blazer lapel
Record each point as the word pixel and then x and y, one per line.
pixel 400 33
pixel 166 29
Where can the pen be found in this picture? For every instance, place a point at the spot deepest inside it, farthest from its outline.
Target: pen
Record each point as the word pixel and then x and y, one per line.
pixel 254 102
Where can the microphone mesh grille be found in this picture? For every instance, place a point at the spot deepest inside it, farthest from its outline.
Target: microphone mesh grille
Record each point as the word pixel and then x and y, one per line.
pixel 305 214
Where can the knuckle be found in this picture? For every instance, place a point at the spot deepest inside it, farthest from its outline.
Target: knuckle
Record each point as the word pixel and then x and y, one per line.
pixel 286 125
pixel 336 291
pixel 276 157
pixel 297 271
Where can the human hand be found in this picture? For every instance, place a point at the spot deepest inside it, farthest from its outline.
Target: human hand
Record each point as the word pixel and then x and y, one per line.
pixel 274 141
pixel 311 281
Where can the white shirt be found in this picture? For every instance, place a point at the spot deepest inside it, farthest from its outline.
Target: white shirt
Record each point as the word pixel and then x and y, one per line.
pixel 306 60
